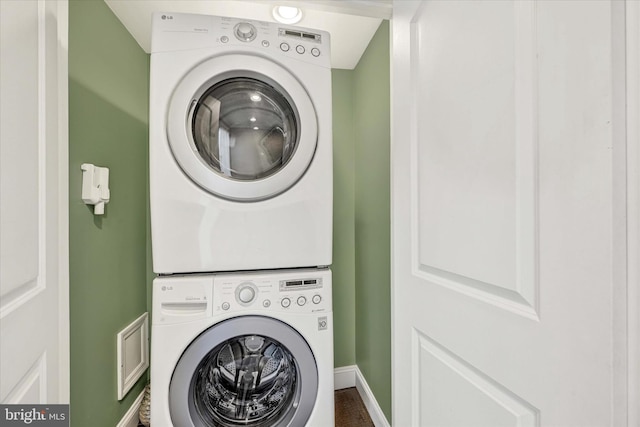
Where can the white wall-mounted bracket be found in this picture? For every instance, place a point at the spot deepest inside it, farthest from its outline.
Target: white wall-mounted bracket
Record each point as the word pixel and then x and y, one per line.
pixel 95 187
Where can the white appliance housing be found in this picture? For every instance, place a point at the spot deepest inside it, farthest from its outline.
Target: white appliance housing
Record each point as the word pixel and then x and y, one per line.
pixel 235 185
pixel 200 318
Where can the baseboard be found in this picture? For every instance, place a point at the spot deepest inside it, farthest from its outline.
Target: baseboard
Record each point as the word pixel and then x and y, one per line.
pixel 344 377
pixel 350 376
pixel 370 402
pixel 131 418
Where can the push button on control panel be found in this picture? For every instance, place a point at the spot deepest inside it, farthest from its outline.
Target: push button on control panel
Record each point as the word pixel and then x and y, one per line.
pixel 285 47
pixel 316 299
pixel 225 306
pixel 300 49
pixel 315 52
pixel 301 301
pixel 286 302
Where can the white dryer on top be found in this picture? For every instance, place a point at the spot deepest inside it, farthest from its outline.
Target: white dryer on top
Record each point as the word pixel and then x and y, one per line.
pixel 240 145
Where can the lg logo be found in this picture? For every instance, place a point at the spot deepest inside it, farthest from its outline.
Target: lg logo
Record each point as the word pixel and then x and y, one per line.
pixel 164 17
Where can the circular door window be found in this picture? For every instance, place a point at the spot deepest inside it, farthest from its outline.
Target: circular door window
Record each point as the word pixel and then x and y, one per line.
pixel 244 129
pixel 248 371
pixel 242 134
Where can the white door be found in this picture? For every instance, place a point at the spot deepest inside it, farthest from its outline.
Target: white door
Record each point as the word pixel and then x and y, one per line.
pixel 33 203
pixel 508 284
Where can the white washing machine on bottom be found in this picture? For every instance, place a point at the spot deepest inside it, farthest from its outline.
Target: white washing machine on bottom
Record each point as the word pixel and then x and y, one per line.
pixel 243 349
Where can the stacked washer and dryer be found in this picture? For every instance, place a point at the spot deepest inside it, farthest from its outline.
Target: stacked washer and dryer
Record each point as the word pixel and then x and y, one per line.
pixel 241 222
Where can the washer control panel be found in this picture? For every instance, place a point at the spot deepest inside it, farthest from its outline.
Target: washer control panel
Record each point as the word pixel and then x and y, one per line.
pixel 306 291
pixel 176 31
pixel 180 299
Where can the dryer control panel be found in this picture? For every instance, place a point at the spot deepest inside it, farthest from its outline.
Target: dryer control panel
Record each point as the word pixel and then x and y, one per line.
pixel 181 31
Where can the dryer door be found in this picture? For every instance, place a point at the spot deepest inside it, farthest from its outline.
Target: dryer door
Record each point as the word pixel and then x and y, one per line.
pixel 247 371
pixel 242 127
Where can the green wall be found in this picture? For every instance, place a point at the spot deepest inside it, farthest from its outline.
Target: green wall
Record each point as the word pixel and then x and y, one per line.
pixel 110 256
pixel 108 105
pixel 372 217
pixel 343 268
pixel 361 216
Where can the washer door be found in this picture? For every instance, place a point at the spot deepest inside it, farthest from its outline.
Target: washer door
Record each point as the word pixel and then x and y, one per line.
pixel 242 127
pixel 247 371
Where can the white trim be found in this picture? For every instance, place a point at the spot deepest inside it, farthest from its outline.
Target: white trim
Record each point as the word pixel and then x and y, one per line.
pixel 400 38
pixel 351 376
pixel 620 283
pixel 370 402
pixel 131 418
pixel 633 208
pixel 64 364
pixel 381 9
pixel 344 377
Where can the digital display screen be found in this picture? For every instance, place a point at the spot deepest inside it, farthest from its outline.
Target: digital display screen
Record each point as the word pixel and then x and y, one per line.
pixel 300 34
pixel 294 283
pixel 300 284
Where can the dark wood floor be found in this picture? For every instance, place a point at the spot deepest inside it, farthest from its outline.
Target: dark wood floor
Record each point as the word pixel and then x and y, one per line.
pixel 350 410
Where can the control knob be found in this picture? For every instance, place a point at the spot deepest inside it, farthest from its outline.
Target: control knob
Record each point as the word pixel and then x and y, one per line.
pixel 245 32
pixel 246 293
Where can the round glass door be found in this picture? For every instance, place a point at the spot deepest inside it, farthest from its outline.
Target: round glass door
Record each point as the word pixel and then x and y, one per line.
pixel 248 371
pixel 247 380
pixel 244 129
pixel 242 134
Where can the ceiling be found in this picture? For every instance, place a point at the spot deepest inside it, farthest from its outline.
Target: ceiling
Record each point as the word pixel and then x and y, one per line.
pixel 351 23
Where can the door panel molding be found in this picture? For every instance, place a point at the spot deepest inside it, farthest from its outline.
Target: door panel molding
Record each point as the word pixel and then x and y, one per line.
pixel 518 293
pixel 32 388
pixel 20 295
pixel 436 363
